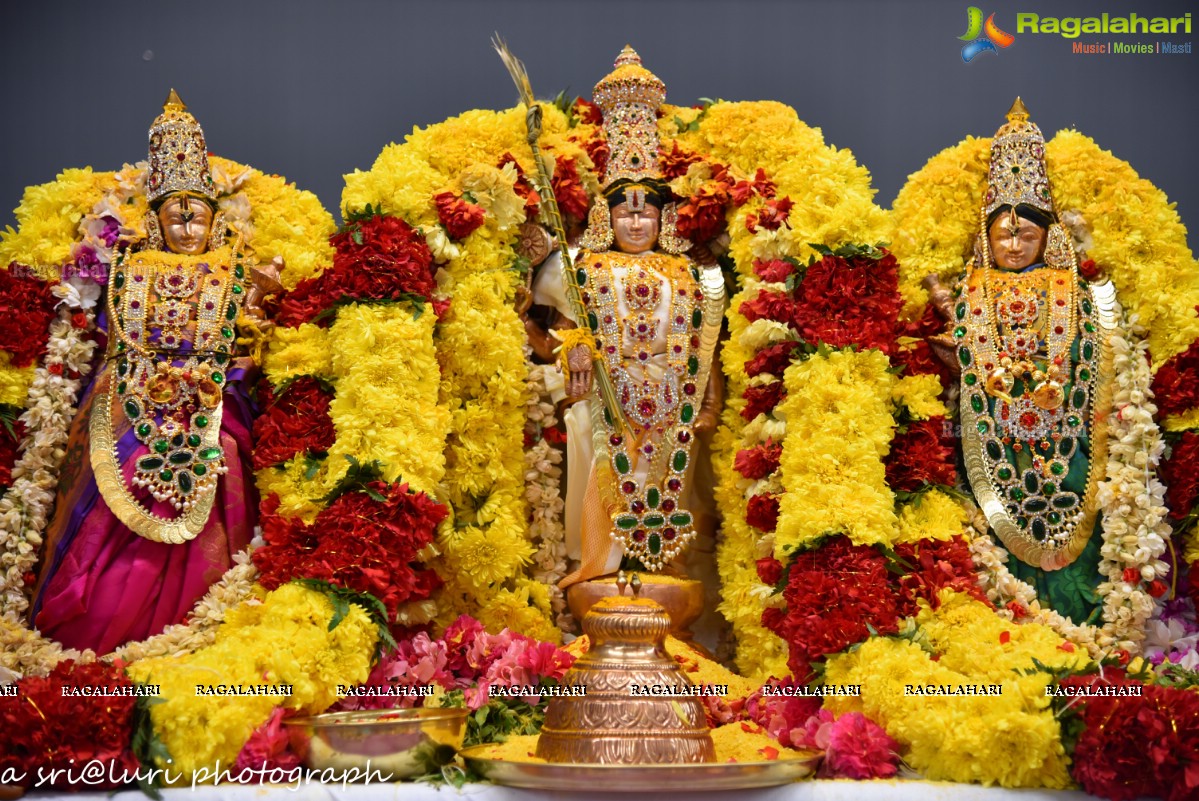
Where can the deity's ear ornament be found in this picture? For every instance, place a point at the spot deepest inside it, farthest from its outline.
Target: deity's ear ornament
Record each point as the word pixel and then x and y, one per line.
pixel 598 236
pixel 668 236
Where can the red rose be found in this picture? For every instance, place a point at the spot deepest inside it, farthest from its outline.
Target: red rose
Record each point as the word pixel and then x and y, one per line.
pixel 1157 588
pixel 936 565
pixel 762 512
pixel 924 454
pixel 1089 270
pixel 762 398
pixel 9 445
pixel 1017 609
pixel 55 368
pixel 1134 746
pixel 1132 575
pixel 459 217
pixel 568 189
pixel 759 461
pixel 843 302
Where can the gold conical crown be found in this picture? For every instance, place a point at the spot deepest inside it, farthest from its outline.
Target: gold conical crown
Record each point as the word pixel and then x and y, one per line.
pixel 1017 172
pixel 178 154
pixel 629 96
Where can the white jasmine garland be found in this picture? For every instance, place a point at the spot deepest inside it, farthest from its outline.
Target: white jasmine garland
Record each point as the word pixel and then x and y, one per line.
pixel 543 480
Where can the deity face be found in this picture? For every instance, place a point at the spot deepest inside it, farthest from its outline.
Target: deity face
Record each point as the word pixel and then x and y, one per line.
pixel 1017 243
pixel 186 223
pixel 635 231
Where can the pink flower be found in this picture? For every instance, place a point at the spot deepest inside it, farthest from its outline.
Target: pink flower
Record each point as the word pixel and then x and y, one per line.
pixel 268 747
pixel 857 748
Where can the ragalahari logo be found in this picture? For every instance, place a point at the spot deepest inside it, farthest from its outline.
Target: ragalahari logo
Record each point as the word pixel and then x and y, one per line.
pixel 981 37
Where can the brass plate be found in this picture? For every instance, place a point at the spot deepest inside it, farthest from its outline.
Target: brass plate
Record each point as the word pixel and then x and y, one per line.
pixel 637 778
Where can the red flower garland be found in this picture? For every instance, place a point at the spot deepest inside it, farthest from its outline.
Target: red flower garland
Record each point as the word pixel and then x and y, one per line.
pixel 835 595
pixel 1180 474
pixel 356 542
pixel 28 309
pixel 937 565
pixel 568 189
pixel 843 302
pixel 762 398
pixel 922 455
pixel 1137 746
pixel 762 512
pixel 293 421
pixel 43 728
pixel 759 461
pixel 383 258
pixel 1176 385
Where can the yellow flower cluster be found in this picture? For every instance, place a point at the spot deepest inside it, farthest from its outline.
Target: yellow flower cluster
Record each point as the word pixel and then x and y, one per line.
pixel 1137 236
pixel 14 381
pixel 285 639
pixel 48 220
pixel 933 515
pixel 833 204
pixel 289 223
pixel 920 394
pixel 839 428
pixel 485 545
pixel 1010 739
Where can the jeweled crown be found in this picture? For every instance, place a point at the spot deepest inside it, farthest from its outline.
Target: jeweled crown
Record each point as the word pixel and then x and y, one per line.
pixel 178 154
pixel 629 96
pixel 1017 172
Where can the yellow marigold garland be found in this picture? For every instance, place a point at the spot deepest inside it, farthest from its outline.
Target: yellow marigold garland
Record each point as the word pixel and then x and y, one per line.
pixel 1011 739
pixel 833 204
pixel 48 220
pixel 284 639
pixel 839 428
pixel 485 545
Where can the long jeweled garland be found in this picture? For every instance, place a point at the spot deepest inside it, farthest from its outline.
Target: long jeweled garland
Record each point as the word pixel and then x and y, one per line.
pixel 1038 520
pixel 649 520
pixel 1135 530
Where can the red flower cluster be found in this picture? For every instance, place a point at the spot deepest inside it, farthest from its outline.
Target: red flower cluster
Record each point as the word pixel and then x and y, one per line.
pixel 838 592
pixel 768 305
pixel 762 398
pixel 844 302
pixel 28 306
pixel 293 421
pixel 1176 385
pixel 383 258
pixel 1180 474
pixel 701 216
pixel 762 186
pixel 834 596
pixel 43 727
pixel 773 214
pixel 568 189
pixel 356 542
pixel 918 356
pixel 936 565
pixel 924 454
pixel 762 512
pixel 772 359
pixel 1133 747
pixel 759 461
pixel 675 162
pixel 773 270
pixel 459 217
pixel 587 112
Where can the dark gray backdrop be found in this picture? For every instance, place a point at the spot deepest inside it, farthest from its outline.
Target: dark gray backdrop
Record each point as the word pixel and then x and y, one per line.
pixel 313 89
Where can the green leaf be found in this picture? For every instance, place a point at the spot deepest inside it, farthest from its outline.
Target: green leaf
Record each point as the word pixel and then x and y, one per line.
pixel 341 598
pixel 147 746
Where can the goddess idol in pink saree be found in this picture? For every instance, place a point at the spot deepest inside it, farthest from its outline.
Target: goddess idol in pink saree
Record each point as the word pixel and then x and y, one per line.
pixel 156 494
